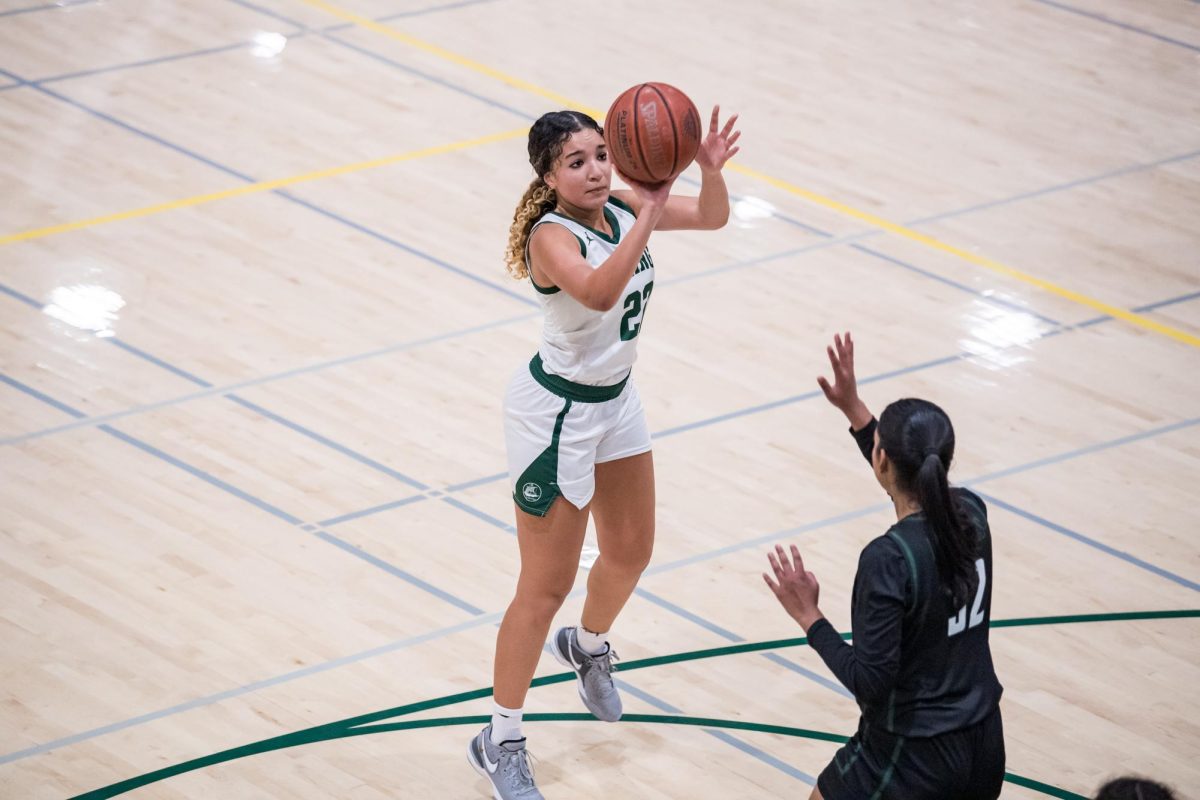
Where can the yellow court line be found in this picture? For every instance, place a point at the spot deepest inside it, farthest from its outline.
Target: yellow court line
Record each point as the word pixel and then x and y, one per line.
pixel 262 186
pixel 448 55
pixel 978 260
pixel 821 200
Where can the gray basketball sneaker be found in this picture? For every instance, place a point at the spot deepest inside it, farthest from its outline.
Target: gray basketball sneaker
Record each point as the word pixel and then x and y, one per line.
pixel 595 674
pixel 506 765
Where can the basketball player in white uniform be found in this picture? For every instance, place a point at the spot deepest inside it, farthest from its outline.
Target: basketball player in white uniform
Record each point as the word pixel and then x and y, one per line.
pixel 576 435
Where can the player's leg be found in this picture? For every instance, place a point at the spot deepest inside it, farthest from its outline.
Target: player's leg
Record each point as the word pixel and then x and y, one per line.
pixel 623 508
pixel 550 548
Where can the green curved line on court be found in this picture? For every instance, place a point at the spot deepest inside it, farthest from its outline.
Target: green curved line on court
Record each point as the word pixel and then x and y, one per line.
pixel 362 725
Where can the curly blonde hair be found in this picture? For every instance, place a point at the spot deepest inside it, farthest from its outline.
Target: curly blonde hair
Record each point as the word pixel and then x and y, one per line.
pixel 546 140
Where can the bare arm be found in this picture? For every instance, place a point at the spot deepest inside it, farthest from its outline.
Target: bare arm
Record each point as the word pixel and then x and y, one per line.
pixel 555 259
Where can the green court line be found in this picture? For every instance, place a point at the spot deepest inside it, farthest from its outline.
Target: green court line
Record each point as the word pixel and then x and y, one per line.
pixel 363 725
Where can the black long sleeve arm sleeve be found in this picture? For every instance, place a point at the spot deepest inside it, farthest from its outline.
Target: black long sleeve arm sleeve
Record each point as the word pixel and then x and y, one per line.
pixel 865 438
pixel 871 667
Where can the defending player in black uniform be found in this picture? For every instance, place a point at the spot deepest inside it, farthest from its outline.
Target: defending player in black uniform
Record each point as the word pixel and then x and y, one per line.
pixel 920 667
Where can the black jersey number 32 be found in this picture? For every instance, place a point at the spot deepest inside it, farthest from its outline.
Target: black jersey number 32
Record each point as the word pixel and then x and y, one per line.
pixel 635 309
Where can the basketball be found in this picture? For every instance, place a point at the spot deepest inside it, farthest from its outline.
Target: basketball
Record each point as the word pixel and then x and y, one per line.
pixel 653 132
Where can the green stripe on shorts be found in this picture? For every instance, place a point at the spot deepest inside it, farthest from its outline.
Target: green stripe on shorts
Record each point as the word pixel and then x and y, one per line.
pixel 538 485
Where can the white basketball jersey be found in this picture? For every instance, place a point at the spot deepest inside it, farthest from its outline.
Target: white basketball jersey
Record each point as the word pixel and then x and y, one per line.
pixel 596 348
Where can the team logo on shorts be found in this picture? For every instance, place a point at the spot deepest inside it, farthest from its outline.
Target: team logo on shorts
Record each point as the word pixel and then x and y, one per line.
pixel 531 492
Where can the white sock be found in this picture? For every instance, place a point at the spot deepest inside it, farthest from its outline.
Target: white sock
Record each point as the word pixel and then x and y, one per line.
pixel 506 723
pixel 591 643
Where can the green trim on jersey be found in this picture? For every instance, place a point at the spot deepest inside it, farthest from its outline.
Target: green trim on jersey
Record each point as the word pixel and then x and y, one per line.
pixel 538 485
pixel 543 290
pixel 609 216
pixel 579 392
pixel 912 565
pixel 621 204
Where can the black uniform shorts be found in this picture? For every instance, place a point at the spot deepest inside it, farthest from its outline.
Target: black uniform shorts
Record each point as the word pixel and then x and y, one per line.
pixel 876 765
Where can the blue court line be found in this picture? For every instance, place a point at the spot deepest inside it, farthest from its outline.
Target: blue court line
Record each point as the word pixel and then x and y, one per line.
pixel 366 512
pixel 327 442
pixel 1184 298
pixel 459 487
pixel 488 518
pixel 47 7
pixel 704 423
pixel 1017 198
pixel 420 12
pixel 432 259
pixel 695 619
pixel 815 677
pixel 158 362
pixel 1090 542
pixel 149 62
pixel 270 378
pixel 263 505
pixel 1118 24
pixel 114 341
pixel 424 75
pixel 45 398
pixel 1083 451
pixel 391 569
pixel 771 538
pixel 280 192
pixel 730 636
pixel 24 298
pixel 962 287
pixel 266 683
pixel 212 480
pixel 299 32
pixel 627 688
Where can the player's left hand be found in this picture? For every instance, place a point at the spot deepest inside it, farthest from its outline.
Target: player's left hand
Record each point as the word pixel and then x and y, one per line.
pixel 718 146
pixel 795 589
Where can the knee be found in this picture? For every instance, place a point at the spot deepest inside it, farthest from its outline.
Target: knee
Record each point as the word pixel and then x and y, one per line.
pixel 631 558
pixel 542 602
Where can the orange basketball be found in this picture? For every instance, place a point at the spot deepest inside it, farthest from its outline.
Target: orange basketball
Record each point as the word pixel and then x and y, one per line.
pixel 653 132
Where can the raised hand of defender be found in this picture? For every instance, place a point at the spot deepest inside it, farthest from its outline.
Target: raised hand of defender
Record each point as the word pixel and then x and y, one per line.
pixel 795 589
pixel 718 146
pixel 843 392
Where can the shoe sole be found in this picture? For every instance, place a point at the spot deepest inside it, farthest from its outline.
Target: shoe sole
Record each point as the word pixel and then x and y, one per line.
pixel 481 769
pixel 561 658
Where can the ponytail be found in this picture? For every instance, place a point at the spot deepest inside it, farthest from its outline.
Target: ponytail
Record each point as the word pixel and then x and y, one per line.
pixel 546 139
pixel 919 440
pixel 537 200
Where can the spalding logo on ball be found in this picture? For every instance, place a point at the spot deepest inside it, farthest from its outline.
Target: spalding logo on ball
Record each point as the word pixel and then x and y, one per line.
pixel 653 132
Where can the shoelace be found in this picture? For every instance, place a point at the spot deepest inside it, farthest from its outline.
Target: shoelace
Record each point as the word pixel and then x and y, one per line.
pixel 606 661
pixel 520 762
